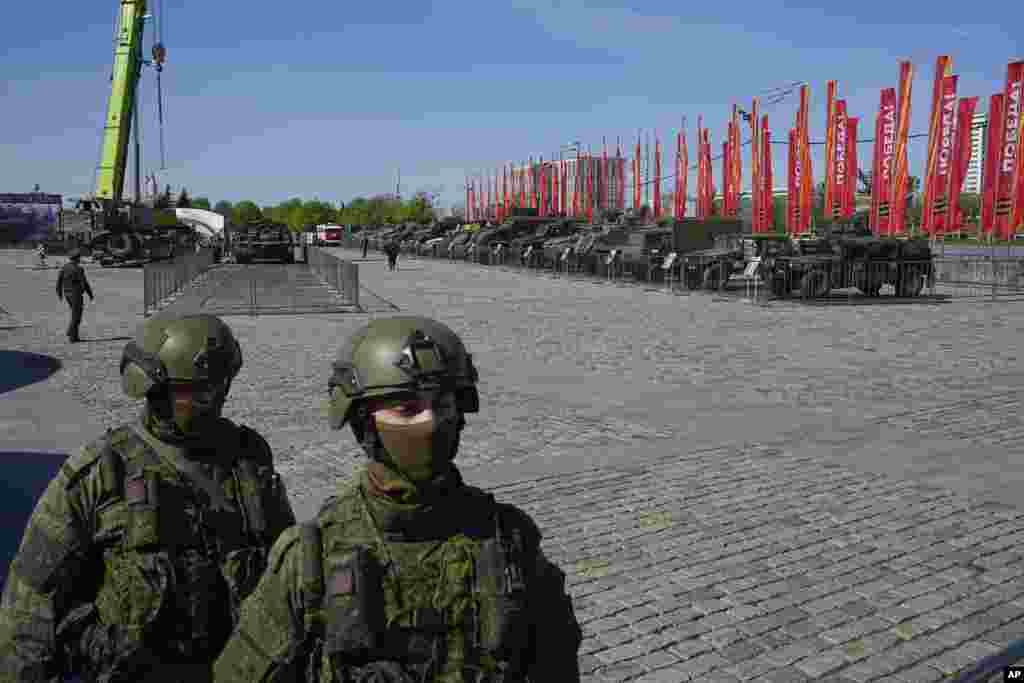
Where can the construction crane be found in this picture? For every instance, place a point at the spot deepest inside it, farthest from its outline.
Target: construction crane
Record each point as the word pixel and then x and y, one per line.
pixel 110 210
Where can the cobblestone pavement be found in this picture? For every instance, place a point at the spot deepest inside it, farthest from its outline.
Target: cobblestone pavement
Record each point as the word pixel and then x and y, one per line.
pixel 736 492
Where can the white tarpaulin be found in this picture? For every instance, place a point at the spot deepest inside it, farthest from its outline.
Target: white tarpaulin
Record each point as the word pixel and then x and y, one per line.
pixel 206 222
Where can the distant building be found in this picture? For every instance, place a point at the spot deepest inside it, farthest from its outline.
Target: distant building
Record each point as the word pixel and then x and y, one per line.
pixel 973 179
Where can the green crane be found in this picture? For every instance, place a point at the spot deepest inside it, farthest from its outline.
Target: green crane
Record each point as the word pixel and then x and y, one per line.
pixel 122 113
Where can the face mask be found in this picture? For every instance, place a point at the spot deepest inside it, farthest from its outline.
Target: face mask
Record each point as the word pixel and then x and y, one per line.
pixel 420 435
pixel 195 407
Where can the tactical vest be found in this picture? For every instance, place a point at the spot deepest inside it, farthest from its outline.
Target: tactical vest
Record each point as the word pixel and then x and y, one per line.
pixel 175 567
pixel 445 603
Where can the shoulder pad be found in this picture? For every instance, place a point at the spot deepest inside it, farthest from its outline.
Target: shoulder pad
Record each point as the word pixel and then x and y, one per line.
pixel 514 518
pixel 254 446
pixel 282 548
pixel 78 466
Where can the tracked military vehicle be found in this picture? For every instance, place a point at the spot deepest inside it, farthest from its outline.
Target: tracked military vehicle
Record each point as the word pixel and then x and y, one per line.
pixel 849 256
pixel 264 242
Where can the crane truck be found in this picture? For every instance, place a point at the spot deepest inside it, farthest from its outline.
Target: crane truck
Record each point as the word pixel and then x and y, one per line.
pixel 128 233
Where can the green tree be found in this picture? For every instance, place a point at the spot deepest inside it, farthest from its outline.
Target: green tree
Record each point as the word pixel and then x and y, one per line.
pixel 246 211
pixel 201 203
pixel 163 200
pixel 183 201
pixel 224 208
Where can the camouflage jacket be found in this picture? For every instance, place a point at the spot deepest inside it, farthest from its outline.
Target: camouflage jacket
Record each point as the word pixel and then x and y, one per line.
pixel 71 281
pixel 136 558
pixel 373 587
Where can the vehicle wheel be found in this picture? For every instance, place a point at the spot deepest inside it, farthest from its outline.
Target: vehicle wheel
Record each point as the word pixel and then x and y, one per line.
pixel 779 287
pixel 692 278
pixel 911 282
pixel 713 277
pixel 814 284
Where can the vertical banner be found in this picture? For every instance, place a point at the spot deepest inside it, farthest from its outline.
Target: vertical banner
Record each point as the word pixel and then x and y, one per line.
pixel 684 166
pixel 542 187
pixel 605 177
pixel 901 176
pixel 1009 151
pixel 755 168
pixel 943 69
pixel 961 161
pixel 709 186
pixel 806 171
pixel 938 181
pixel 767 201
pixel 506 182
pixel 993 147
pixel 657 176
pixel 564 187
pixel 793 185
pixel 850 191
pixel 735 148
pixel 590 185
pixel 886 146
pixel 620 180
pixel 676 211
pixel 839 170
pixel 726 179
pixel 830 211
pixel 636 174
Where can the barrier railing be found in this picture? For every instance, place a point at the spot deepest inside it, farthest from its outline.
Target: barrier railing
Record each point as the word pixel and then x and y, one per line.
pixel 163 279
pixel 339 274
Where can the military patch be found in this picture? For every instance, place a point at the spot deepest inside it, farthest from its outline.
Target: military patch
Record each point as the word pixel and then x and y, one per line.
pixel 135 490
pixel 342 582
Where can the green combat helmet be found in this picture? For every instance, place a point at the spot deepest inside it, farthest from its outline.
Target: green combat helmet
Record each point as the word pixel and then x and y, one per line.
pixel 400 359
pixel 183 367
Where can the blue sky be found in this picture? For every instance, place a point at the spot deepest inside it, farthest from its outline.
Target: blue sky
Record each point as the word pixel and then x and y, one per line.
pixel 267 101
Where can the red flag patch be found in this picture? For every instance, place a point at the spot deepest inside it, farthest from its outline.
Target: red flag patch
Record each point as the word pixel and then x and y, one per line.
pixel 341 582
pixel 135 490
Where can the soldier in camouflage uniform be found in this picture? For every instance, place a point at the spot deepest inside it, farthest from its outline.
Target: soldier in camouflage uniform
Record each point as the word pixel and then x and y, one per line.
pixel 136 558
pixel 409 574
pixel 72 285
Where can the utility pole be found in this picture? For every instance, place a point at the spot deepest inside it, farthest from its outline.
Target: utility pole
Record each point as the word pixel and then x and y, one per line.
pixel 398 184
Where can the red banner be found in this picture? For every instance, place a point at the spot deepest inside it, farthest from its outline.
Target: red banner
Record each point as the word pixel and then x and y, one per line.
pixel 961 161
pixel 806 170
pixel 793 185
pixel 932 191
pixel 840 166
pixel 876 164
pixel 657 177
pixel 590 185
pixel 684 166
pixel 636 175
pixel 939 189
pixel 735 148
pixel 993 145
pixel 886 149
pixel 709 187
pixel 831 129
pixel 755 168
pixel 767 220
pixel 902 172
pixel 726 179
pixel 1009 149
pixel 850 191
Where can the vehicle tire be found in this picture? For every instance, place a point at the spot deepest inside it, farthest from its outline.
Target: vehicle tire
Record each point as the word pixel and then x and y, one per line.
pixel 715 276
pixel 122 245
pixel 911 282
pixel 692 278
pixel 814 284
pixel 779 287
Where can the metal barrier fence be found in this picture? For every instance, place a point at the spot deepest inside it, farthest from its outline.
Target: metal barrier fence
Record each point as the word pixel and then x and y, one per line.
pixel 163 279
pixel 341 275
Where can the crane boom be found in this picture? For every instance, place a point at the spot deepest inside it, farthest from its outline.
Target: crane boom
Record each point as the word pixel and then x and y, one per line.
pixel 124 81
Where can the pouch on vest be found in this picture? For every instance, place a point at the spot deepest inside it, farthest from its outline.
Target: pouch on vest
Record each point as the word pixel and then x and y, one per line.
pixel 499 572
pixel 141 494
pixel 355 607
pixel 252 495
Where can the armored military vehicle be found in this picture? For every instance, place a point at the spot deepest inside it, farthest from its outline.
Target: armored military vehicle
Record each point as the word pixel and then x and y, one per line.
pixel 848 256
pixel 732 254
pixel 264 242
pixel 127 249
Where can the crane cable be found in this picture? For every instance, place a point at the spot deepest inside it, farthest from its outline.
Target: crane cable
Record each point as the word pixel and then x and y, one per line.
pixel 159 55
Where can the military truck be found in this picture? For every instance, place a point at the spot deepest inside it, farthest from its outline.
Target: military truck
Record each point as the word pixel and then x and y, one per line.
pixel 264 242
pixel 849 256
